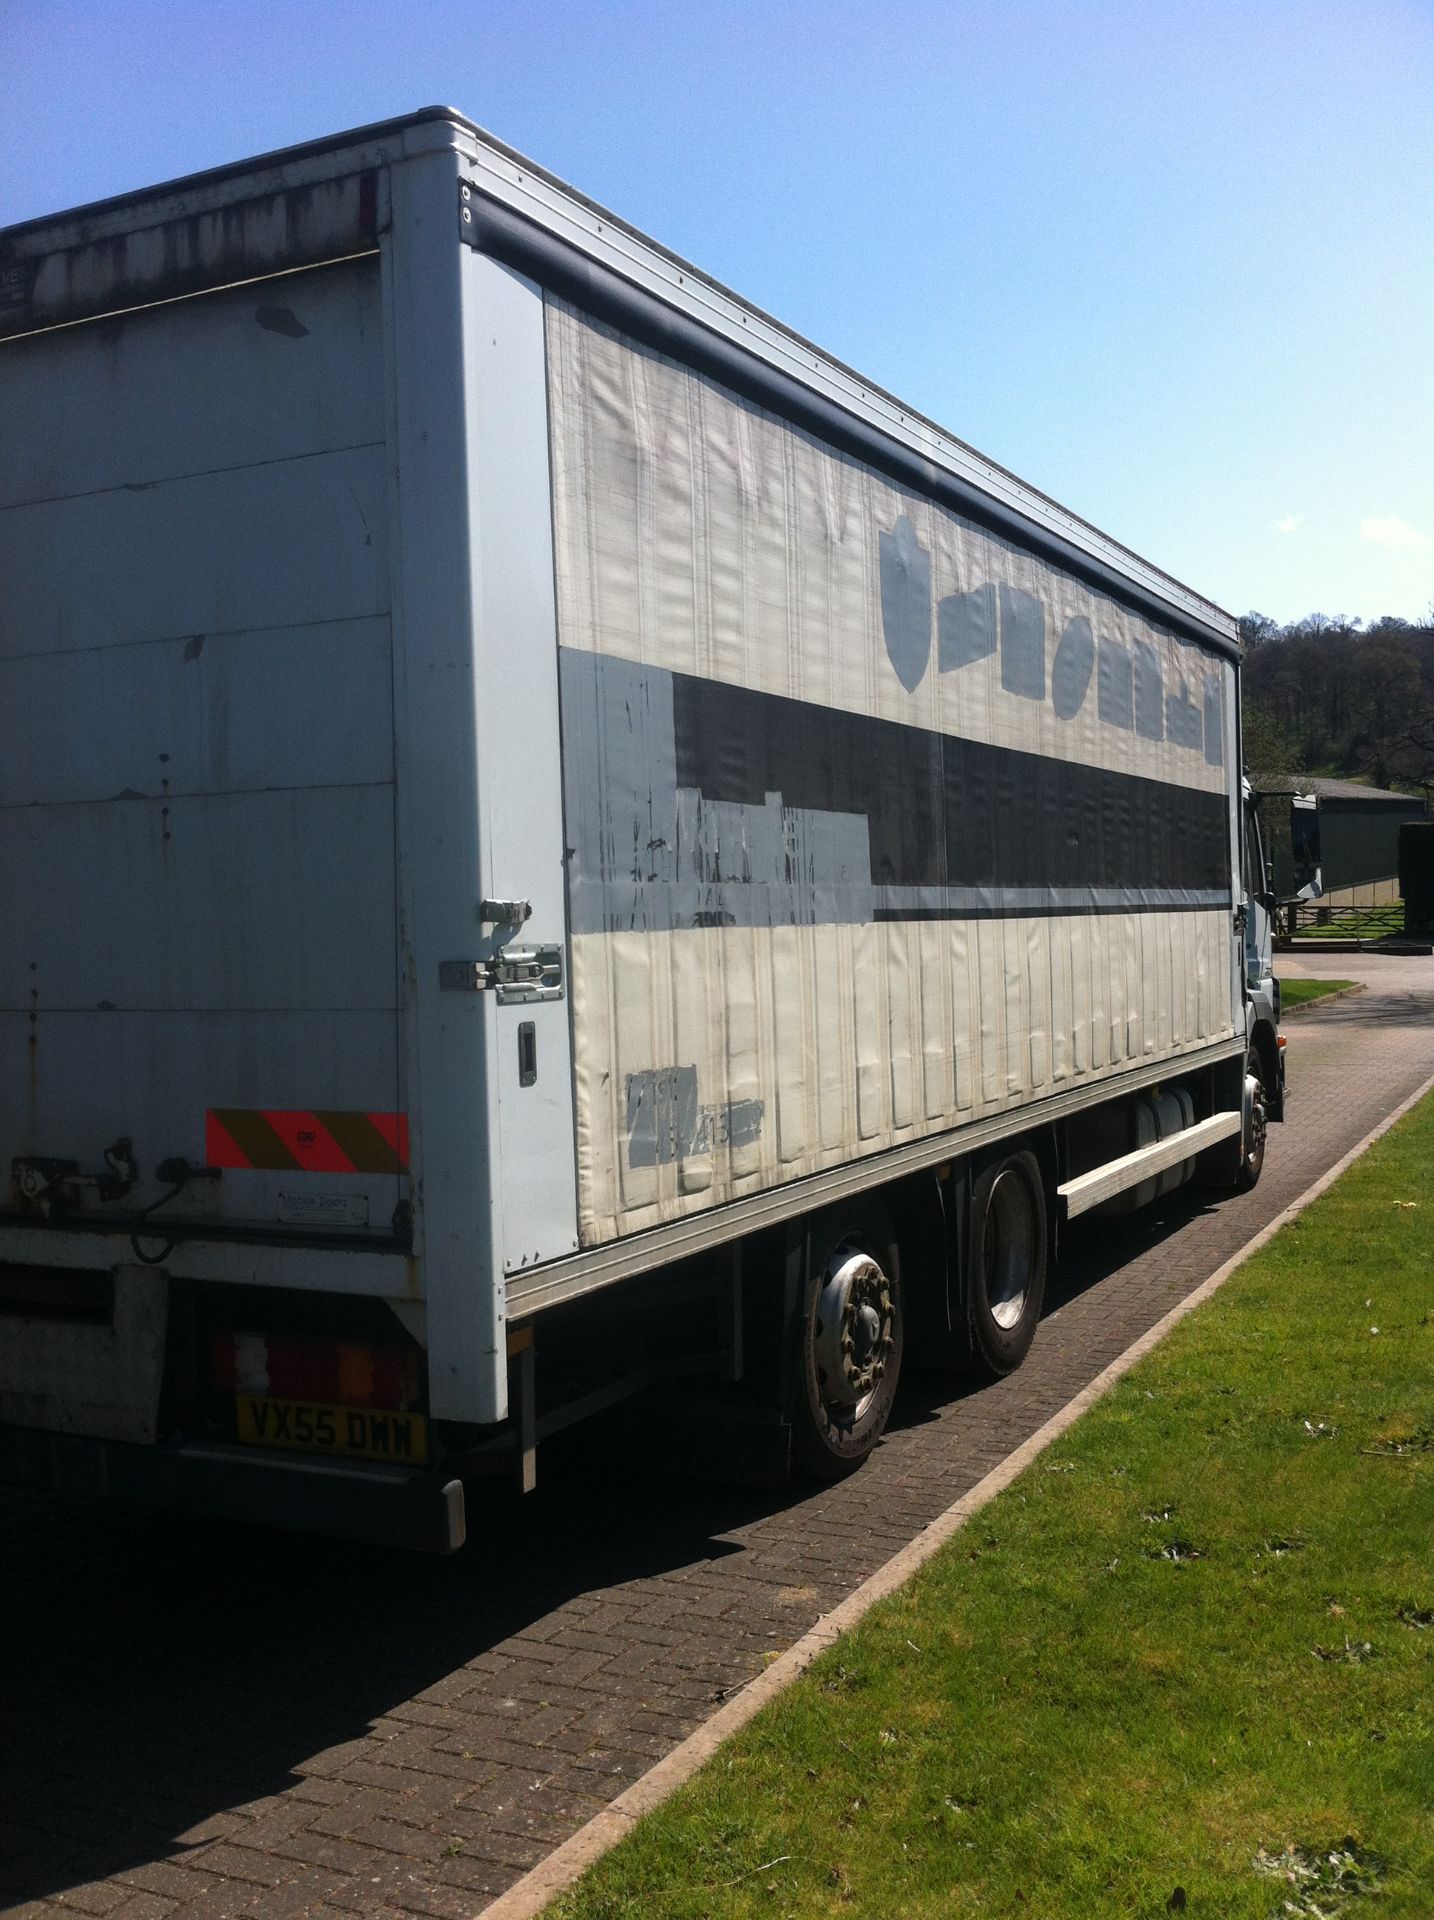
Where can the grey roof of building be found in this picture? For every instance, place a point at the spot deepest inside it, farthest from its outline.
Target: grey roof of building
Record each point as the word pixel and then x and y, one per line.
pixel 1328 789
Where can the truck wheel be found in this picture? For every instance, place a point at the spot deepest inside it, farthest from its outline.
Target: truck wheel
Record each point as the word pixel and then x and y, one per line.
pixel 1252 1135
pixel 849 1341
pixel 1006 1270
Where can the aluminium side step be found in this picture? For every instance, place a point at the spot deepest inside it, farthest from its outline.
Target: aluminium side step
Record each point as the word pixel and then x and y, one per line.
pixel 1088 1190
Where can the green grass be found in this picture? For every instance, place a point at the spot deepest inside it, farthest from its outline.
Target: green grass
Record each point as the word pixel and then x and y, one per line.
pixel 1295 993
pixel 1192 1647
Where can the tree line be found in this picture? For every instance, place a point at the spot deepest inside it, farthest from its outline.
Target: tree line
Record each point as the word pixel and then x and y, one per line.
pixel 1329 695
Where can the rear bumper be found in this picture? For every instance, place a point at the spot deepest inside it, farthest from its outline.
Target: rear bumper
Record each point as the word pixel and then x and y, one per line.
pixel 390 1506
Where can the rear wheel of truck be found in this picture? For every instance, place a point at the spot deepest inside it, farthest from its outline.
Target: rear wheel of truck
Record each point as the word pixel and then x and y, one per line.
pixel 849 1339
pixel 1006 1265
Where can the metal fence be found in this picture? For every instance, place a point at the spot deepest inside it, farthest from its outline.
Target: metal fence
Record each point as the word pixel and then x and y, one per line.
pixel 1312 920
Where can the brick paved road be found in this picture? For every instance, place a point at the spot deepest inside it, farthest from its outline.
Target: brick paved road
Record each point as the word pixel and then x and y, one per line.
pixel 199 1723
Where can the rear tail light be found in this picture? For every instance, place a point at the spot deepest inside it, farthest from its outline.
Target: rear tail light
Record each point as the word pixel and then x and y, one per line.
pixel 333 1373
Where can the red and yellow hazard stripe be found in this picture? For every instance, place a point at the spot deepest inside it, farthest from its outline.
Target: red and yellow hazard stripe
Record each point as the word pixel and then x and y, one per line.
pixel 284 1141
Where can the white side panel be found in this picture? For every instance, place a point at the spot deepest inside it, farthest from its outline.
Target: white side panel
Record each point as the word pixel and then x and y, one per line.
pixel 644 973
pixel 699 534
pixel 876 823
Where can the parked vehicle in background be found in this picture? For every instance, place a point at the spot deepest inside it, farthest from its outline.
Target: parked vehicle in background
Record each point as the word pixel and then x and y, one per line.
pixel 553 835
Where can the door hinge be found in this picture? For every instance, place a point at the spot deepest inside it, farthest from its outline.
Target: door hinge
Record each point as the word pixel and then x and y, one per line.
pixel 467 214
pixel 517 975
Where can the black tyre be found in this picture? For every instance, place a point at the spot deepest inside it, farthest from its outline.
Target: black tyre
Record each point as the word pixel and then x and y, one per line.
pixel 1005 1277
pixel 1252 1134
pixel 849 1339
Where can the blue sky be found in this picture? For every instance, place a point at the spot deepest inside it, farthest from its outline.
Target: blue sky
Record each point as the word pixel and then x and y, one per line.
pixel 1172 263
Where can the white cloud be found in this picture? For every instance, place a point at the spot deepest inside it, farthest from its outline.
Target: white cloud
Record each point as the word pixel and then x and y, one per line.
pixel 1391 532
pixel 1291 523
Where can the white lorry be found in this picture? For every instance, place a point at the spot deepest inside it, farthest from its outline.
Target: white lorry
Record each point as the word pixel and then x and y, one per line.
pixel 551 834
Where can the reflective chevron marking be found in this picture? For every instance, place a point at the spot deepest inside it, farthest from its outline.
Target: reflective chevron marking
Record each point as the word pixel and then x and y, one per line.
pixel 281 1140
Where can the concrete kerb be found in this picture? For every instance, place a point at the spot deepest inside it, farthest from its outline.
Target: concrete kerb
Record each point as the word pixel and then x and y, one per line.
pixel 527 1897
pixel 1321 1000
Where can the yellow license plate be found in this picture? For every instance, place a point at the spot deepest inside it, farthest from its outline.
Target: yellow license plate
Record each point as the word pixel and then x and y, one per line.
pixel 357 1433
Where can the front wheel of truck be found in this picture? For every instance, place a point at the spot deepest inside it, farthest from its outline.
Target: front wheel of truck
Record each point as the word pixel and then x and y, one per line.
pixel 849 1340
pixel 1252 1132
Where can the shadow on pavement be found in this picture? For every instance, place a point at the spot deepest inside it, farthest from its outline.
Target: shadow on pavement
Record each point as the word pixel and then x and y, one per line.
pixel 1388 1008
pixel 1094 1249
pixel 161 1670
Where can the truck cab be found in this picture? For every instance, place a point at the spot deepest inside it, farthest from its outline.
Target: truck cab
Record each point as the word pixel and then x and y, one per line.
pixel 1265 1063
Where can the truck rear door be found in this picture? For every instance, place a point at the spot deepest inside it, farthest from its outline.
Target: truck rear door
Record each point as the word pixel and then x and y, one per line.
pixel 196 759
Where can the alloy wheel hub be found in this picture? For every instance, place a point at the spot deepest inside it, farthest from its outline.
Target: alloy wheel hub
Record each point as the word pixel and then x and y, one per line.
pixel 853 1330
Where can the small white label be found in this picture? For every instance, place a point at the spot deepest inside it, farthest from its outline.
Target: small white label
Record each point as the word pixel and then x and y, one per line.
pixel 324 1209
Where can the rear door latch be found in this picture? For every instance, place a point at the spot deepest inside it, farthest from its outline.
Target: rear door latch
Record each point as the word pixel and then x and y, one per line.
pixel 517 975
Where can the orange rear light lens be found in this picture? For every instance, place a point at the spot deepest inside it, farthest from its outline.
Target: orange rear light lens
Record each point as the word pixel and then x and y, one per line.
pixel 337 1373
